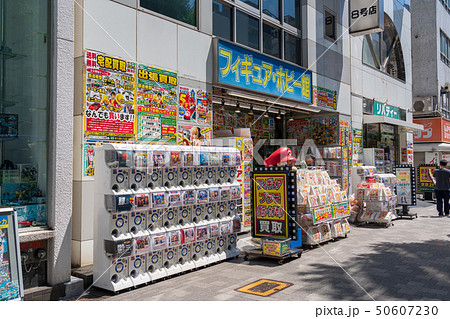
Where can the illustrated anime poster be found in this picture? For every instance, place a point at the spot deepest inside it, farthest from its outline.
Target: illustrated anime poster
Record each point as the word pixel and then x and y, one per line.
pixel 204 107
pixel 109 96
pixel 9 288
pixel 404 182
pixel 219 119
pixel 157 104
pixel 187 106
pixel 298 129
pixel 324 130
pixel 194 135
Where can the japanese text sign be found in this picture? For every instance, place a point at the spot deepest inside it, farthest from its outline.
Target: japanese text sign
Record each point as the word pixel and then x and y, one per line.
pixel 386 110
pixel 366 16
pixel 431 130
pixel 270 205
pixel 250 70
pixel 109 96
pixel 425 182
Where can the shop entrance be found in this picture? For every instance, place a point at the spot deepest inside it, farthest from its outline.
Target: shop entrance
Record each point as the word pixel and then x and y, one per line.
pixel 382 136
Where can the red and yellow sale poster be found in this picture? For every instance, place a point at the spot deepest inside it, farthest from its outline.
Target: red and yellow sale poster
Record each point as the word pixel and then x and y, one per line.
pixel 109 96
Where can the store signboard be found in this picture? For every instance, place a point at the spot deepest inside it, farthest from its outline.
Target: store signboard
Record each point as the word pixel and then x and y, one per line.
pixel 157 103
pixel 425 182
pixel 382 109
pixel 445 131
pixel 250 70
pixel 270 205
pixel 431 130
pixel 366 16
pixel 324 97
pixel 109 96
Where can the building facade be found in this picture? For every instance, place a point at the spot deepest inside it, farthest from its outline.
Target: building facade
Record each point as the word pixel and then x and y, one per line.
pixel 431 78
pixel 37 133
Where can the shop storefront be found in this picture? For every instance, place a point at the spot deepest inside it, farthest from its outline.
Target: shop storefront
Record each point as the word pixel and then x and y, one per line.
pixel 386 136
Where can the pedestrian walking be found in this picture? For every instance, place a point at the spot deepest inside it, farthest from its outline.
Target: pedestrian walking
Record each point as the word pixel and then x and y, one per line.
pixel 441 180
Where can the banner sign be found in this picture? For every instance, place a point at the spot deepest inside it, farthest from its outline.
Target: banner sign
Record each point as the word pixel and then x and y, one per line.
pixel 425 182
pixel 386 110
pixel 253 71
pixel 156 105
pixel 366 16
pixel 270 204
pixel 109 96
pixel 324 97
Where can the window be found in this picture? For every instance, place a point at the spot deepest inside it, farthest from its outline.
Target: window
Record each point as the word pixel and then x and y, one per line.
pixel 273 29
pixel 292 13
pixel 181 10
pixel 222 21
pixel 272 8
pixel 402 114
pixel 330 25
pixel 445 49
pixel 271 41
pixel 292 51
pixel 253 3
pixel 446 4
pixel 24 104
pixel 383 51
pixel 247 30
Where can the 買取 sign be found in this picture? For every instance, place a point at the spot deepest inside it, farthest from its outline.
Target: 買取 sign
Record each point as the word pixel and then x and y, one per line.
pixel 253 71
pixel 386 110
pixel 366 16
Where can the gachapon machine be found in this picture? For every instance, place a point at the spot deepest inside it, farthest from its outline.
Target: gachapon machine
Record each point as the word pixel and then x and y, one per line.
pixel 11 283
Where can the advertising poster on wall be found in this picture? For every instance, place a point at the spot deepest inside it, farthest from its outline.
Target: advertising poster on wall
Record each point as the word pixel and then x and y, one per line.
pixel 156 105
pixel 324 130
pixel 109 97
pixel 204 107
pixel 298 129
pixel 324 97
pixel 187 106
pixel 194 135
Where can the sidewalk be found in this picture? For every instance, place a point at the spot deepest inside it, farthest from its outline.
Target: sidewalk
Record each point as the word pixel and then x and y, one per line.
pixel 407 261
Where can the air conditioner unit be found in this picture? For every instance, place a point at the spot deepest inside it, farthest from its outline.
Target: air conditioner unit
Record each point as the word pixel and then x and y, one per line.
pixel 422 105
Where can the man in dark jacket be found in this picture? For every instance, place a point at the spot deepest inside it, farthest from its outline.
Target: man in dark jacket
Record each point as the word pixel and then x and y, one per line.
pixel 441 179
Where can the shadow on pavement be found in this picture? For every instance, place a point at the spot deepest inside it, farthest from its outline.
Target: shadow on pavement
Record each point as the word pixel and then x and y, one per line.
pixel 406 271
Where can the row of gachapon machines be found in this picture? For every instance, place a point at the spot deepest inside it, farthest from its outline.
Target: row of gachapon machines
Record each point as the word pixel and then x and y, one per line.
pixel 143 259
pixel 136 179
pixel 148 155
pixel 325 232
pixel 370 216
pixel 172 197
pixel 136 223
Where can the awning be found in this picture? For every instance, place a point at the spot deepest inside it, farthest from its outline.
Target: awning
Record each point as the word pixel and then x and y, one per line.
pixel 405 126
pixel 431 147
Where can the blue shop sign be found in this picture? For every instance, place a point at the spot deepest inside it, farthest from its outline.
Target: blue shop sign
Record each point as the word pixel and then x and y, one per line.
pixel 253 71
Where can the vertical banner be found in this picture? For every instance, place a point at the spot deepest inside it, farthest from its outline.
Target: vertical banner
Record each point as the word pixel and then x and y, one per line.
pixel 156 105
pixel 270 204
pixel 109 97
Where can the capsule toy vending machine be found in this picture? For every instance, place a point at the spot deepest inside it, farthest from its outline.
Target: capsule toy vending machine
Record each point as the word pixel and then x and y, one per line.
pixel 187 166
pixel 113 242
pixel 155 260
pixel 11 281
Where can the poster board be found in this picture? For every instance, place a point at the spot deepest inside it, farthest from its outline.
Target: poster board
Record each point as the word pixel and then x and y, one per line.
pixel 274 202
pixel 406 185
pixel 425 183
